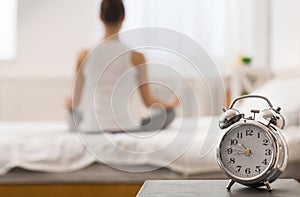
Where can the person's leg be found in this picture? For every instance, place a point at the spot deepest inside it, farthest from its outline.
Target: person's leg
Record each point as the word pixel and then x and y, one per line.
pixel 158 121
pixel 161 120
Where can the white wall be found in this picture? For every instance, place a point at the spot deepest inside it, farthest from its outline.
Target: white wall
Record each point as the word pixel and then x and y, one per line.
pixel 285 34
pixel 33 99
pixel 50 35
pixel 52 32
pixel 259 28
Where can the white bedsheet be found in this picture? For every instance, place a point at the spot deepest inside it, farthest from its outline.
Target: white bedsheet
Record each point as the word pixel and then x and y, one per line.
pixel 176 148
pixel 50 147
pixel 42 147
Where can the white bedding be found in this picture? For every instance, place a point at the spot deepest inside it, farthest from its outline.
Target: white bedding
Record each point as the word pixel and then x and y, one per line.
pixel 50 147
pixel 42 147
pixel 282 92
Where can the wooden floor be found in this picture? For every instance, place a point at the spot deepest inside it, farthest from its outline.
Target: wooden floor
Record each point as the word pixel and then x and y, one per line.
pixel 72 190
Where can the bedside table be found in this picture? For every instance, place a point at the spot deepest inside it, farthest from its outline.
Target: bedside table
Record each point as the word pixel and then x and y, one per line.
pixel 281 187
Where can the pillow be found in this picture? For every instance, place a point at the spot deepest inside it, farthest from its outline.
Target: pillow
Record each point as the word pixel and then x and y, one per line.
pixel 284 93
pixel 292 137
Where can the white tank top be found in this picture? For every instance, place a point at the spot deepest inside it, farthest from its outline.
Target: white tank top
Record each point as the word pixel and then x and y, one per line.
pixel 110 99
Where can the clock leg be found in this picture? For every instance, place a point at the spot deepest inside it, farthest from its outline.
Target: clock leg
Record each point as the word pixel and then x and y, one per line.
pixel 267 184
pixel 231 182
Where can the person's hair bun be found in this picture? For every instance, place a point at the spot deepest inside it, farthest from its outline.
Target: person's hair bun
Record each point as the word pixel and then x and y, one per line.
pixel 112 11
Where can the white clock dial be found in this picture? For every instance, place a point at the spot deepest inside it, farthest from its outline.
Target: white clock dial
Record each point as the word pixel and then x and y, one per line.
pixel 247 151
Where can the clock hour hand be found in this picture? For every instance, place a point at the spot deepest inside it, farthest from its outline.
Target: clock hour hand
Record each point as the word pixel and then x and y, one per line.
pixel 238 151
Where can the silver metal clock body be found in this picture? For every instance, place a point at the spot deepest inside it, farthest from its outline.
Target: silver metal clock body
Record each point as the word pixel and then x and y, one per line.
pixel 252 153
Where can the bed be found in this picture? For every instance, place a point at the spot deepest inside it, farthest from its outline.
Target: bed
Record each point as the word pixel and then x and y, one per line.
pixel 38 156
pixel 50 147
pixel 47 155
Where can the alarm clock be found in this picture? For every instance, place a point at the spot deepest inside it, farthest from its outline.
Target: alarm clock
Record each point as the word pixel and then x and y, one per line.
pixel 252 150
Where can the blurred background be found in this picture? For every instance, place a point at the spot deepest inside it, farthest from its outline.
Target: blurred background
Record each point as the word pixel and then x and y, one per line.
pixel 250 41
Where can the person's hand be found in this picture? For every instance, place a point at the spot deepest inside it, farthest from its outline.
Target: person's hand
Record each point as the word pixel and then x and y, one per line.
pixel 174 102
pixel 69 103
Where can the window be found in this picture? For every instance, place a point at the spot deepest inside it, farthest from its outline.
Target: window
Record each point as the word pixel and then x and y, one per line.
pixel 8 26
pixel 224 27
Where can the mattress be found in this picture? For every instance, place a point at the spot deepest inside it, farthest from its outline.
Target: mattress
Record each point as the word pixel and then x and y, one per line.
pixel 50 147
pixel 103 174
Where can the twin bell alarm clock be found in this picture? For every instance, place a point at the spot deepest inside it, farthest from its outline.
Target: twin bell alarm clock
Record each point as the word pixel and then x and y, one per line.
pixel 252 150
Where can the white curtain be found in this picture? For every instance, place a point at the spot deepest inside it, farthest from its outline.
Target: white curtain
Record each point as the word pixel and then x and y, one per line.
pixel 223 27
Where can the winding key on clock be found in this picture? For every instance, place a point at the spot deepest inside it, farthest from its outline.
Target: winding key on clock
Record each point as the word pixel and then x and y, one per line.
pixel 254 111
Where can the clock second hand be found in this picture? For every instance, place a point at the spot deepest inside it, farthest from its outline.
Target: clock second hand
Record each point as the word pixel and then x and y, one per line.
pixel 250 154
pixel 239 151
pixel 254 158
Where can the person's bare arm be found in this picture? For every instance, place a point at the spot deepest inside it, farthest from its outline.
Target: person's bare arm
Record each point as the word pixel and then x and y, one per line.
pixel 139 61
pixel 78 81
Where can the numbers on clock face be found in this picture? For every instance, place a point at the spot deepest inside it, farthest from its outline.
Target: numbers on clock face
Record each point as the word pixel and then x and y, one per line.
pixel 246 151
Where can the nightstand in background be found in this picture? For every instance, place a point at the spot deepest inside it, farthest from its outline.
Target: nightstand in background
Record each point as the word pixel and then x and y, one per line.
pixel 217 188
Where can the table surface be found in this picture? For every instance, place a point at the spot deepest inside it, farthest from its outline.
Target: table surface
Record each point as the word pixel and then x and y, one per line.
pixel 281 187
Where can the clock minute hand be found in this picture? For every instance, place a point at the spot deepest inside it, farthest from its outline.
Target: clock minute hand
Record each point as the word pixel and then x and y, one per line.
pixel 242 145
pixel 247 151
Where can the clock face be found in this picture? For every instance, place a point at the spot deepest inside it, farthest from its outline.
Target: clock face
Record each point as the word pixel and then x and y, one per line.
pixel 247 151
